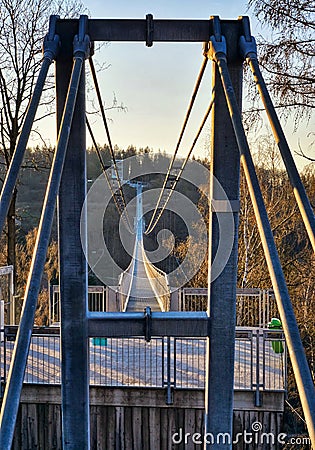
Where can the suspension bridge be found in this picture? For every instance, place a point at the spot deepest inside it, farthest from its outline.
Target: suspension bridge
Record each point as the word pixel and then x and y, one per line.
pixel 227 43
pixel 142 284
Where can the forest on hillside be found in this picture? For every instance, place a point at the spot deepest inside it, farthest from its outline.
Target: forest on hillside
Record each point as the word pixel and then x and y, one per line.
pixel 30 194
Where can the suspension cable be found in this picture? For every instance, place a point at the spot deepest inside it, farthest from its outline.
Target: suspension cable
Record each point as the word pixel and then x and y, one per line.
pixel 104 170
pixel 99 97
pixel 204 120
pixel 190 107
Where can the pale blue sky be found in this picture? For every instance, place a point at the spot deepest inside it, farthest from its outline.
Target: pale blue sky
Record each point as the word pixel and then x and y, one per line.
pixel 155 84
pixel 166 8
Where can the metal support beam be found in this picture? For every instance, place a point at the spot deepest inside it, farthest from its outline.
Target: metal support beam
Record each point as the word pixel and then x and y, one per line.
pixel 158 30
pixel 177 324
pixel 73 268
pixel 225 164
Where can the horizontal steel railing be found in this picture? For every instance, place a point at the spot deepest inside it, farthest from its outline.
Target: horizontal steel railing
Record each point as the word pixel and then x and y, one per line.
pixel 254 307
pixel 162 362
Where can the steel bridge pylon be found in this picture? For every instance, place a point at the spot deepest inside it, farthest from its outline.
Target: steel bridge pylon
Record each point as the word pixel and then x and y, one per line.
pixel 227 44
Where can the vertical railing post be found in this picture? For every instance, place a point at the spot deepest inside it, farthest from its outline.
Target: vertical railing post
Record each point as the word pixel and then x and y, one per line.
pixel 163 361
pixel 257 364
pixel 73 266
pixel 169 397
pixel 285 369
pixel 4 357
pixel 12 308
pixel 250 333
pixel 262 299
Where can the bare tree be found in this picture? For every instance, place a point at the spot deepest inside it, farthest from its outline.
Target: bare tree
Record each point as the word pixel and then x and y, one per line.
pixel 287 55
pixel 23 24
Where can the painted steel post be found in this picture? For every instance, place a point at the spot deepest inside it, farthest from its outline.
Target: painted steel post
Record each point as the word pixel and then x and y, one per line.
pixel 73 266
pixel 225 167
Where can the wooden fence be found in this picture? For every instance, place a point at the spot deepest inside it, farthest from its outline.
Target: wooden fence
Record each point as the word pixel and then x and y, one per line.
pixel 137 419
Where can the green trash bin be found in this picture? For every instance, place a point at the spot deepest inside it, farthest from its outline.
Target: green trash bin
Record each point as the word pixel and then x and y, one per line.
pixel 275 324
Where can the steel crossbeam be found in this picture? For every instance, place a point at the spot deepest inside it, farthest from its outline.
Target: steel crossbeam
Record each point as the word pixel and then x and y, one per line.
pixel 177 324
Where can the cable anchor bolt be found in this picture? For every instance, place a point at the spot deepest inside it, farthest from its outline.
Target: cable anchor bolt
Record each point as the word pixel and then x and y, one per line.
pixel 216 49
pixel 81 41
pixel 51 42
pixel 248 49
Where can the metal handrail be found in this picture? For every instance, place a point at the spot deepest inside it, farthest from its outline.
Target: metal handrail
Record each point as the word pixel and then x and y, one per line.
pixel 165 362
